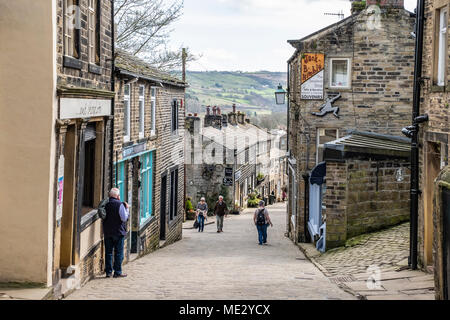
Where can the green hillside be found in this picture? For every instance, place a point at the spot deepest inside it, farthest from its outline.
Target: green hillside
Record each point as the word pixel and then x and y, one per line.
pixel 250 91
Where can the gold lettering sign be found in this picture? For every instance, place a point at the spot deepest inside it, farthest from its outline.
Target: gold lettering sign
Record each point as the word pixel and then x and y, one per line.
pixel 312 64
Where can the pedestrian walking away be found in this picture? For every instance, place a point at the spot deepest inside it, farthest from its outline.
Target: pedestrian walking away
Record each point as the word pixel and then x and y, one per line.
pixel 262 220
pixel 220 210
pixel 115 230
pixel 201 214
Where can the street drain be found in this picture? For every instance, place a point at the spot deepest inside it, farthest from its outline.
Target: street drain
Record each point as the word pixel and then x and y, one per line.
pixel 343 278
pixel 301 278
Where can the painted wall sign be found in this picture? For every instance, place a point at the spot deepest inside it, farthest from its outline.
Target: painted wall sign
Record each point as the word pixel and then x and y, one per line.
pixel 328 107
pixel 312 73
pixel 135 149
pixel 60 188
pixel 72 108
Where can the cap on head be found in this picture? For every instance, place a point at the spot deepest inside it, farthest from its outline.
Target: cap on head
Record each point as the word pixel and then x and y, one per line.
pixel 202 199
pixel 261 203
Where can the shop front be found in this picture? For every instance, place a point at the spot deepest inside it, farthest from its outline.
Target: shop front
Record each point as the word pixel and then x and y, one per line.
pixel 83 144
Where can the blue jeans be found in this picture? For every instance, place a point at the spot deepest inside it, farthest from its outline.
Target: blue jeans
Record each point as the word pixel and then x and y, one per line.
pixel 201 223
pixel 114 244
pixel 262 233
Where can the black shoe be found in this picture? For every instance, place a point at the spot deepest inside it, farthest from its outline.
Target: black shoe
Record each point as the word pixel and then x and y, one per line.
pixel 218 231
pixel 120 275
pixel 108 275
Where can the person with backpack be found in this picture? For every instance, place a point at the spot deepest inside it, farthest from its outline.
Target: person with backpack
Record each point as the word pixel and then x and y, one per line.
pixel 262 220
pixel 115 230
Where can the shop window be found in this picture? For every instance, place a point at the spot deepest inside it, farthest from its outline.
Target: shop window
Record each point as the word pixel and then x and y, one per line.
pixel 126 113
pixel 121 179
pixel 340 73
pixel 146 187
pixel 89 170
pixel 324 136
pixel 153 111
pixel 173 211
pixel 441 38
pixel 71 28
pixel 141 111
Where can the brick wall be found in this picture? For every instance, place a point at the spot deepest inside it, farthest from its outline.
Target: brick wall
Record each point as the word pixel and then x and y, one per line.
pixel 436 103
pixel 380 97
pixel 364 196
pixel 84 78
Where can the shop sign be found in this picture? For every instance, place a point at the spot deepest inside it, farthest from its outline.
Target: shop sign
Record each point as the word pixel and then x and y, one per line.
pixel 135 149
pixel 73 108
pixel 312 73
pixel 237 175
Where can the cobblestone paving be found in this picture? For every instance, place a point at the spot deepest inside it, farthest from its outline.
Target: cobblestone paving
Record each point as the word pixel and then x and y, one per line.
pixel 229 265
pixel 385 249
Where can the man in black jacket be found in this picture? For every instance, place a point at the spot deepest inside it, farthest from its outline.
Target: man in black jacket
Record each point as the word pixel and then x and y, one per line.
pixel 115 230
pixel 220 210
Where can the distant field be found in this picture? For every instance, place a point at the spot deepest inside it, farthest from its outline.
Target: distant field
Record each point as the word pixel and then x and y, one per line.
pixel 251 92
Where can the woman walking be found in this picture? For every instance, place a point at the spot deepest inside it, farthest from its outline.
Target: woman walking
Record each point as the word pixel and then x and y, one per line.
pixel 201 214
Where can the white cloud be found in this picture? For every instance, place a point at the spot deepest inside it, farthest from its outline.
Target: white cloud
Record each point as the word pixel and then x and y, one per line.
pixel 252 34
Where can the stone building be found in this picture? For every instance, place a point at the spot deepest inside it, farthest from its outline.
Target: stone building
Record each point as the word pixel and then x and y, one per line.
pixel 59 139
pixel 225 156
pixel 354 74
pixel 434 146
pixel 362 186
pixel 149 152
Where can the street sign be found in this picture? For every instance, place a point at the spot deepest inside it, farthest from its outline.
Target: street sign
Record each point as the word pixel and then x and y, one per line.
pixel 228 182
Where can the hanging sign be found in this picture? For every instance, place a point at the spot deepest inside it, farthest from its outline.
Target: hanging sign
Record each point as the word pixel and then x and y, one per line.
pixel 312 73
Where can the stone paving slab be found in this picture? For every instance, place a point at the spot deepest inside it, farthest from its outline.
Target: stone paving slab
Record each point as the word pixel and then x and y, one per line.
pixel 385 252
pixel 227 266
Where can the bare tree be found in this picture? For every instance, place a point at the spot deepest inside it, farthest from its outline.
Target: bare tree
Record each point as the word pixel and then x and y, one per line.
pixel 143 29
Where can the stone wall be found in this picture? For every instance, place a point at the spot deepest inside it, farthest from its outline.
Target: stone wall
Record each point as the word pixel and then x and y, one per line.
pixel 364 196
pixel 379 99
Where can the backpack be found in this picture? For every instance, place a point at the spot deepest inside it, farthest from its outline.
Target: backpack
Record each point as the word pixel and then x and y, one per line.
pixel 261 218
pixel 102 208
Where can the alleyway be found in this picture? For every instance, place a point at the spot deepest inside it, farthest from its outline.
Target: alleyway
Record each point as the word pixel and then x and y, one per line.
pixel 230 265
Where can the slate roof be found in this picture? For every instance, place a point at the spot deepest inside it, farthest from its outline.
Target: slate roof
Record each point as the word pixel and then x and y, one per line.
pixel 369 144
pixel 233 136
pixel 128 64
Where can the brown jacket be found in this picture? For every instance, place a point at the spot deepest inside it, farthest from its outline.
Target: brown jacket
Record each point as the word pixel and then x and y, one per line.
pixel 220 209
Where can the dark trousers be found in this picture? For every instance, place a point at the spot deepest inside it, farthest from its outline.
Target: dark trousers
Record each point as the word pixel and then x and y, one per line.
pixel 201 223
pixel 114 244
pixel 262 233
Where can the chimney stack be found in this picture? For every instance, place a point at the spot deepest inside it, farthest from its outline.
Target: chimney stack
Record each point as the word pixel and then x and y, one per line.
pixel 208 110
pixel 234 108
pixel 397 4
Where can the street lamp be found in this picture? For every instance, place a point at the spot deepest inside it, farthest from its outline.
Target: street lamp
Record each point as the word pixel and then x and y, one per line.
pixel 280 95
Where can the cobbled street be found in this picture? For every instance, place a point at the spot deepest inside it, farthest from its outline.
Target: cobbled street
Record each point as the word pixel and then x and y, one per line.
pixel 229 265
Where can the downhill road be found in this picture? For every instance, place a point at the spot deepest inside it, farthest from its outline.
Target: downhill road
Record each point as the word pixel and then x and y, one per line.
pixel 229 265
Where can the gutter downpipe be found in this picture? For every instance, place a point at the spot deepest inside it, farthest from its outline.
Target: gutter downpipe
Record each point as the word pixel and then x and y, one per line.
pixel 415 138
pixel 113 88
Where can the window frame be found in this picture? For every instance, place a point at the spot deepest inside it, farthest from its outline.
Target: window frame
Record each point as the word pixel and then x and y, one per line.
pixel 71 42
pixel 146 211
pixel 92 31
pixel 141 111
pixel 153 111
pixel 349 78
pixel 318 145
pixel 127 113
pixel 174 117
pixel 441 46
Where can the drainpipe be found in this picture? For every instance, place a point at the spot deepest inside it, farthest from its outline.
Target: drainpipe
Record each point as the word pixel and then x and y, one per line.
pixel 113 89
pixel 288 111
pixel 415 136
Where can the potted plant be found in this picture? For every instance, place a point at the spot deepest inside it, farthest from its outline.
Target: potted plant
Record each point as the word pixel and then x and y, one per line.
pixel 190 213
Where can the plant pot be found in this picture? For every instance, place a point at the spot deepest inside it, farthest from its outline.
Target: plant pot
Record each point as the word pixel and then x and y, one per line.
pixel 190 215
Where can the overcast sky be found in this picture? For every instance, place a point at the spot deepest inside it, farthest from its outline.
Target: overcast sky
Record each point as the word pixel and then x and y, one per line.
pixel 251 35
